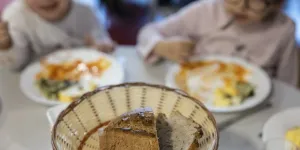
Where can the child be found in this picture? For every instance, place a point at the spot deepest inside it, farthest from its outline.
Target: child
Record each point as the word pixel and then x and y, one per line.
pixel 37 27
pixel 255 30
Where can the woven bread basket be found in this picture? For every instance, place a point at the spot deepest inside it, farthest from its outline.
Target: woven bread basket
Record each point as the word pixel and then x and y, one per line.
pixel 76 127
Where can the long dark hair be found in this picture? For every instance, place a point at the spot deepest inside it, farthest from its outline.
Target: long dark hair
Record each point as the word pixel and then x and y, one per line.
pixel 275 1
pixel 117 7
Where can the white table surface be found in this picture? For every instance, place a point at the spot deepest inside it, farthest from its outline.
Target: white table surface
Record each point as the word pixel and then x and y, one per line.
pixel 24 126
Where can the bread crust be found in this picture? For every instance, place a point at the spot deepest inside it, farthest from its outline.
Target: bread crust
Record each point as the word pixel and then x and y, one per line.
pixel 135 130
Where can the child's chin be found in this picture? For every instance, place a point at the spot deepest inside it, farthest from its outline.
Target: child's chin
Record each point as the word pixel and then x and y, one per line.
pixel 54 17
pixel 244 21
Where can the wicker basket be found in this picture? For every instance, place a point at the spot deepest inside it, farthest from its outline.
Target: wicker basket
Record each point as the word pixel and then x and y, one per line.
pixel 76 127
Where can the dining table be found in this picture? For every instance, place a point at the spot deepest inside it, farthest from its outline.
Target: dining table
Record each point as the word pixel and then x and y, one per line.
pixel 24 125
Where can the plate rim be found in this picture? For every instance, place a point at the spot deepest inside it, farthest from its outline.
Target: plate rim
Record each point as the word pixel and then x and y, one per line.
pixel 232 58
pixel 51 110
pixel 275 117
pixel 104 88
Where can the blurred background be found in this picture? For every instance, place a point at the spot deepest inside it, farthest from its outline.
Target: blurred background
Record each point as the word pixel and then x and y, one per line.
pixel 124 18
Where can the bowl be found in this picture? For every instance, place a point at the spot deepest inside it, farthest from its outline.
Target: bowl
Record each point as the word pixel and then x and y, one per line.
pixel 76 127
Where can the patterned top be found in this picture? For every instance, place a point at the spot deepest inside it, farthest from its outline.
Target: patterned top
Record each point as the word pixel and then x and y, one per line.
pixel 34 37
pixel 270 45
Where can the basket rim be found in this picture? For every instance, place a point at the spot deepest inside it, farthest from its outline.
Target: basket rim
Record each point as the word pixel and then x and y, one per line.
pixel 104 88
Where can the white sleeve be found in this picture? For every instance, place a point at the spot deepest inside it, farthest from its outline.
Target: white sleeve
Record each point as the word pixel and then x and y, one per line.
pixel 98 30
pixel 19 54
pixel 288 70
pixel 147 39
pixel 180 25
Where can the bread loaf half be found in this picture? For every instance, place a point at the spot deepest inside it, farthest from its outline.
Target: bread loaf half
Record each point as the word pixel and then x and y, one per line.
pixel 178 132
pixel 134 130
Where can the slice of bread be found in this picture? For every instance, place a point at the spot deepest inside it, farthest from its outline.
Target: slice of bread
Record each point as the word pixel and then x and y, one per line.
pixel 178 132
pixel 134 130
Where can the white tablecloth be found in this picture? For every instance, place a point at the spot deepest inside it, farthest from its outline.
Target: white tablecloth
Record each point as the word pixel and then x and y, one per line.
pixel 24 126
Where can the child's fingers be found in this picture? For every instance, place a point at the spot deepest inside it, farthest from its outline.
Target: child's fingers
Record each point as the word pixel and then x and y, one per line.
pixel 103 48
pixel 5 60
pixel 4 39
pixel 89 40
pixel 107 46
pixel 187 43
pixel 4 33
pixel 187 49
pixel 3 25
pixel 181 60
pixel 108 49
pixel 184 55
pixel 178 57
pixel 189 46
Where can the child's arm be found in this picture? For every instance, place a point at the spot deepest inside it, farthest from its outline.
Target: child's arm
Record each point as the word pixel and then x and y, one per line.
pixel 14 47
pixel 172 34
pixel 98 36
pixel 288 70
pixel 17 54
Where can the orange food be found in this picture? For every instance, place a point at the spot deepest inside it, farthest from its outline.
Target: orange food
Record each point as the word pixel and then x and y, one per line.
pixel 227 71
pixel 72 70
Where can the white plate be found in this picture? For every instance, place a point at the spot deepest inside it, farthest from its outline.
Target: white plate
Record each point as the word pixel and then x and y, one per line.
pixel 53 112
pixel 277 126
pixel 113 75
pixel 259 78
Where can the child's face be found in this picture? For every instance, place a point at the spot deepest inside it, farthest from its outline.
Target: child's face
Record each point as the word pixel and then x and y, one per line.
pixel 50 10
pixel 251 11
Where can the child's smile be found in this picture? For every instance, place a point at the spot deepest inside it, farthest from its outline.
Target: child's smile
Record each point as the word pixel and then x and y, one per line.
pixel 50 7
pixel 50 10
pixel 247 11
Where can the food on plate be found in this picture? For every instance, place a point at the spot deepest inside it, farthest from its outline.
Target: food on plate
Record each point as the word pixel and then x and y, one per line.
pixel 68 80
pixel 134 130
pixel 293 135
pixel 73 92
pixel 223 84
pixel 178 132
pixel 72 70
pixel 51 88
pixel 233 94
pixel 139 129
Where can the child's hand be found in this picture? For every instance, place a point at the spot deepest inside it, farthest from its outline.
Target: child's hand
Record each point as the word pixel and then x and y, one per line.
pixel 178 50
pixel 5 39
pixel 105 46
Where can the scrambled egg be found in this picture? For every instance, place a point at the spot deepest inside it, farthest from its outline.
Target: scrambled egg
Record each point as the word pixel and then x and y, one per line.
pixel 231 90
pixel 76 91
pixel 232 94
pixel 293 136
pixel 67 81
pixel 225 84
pixel 222 96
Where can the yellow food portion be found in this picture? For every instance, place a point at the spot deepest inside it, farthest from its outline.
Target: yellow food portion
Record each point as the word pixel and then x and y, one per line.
pixel 65 98
pixel 293 136
pixel 227 71
pixel 62 81
pixel 70 94
pixel 230 89
pixel 213 80
pixel 222 102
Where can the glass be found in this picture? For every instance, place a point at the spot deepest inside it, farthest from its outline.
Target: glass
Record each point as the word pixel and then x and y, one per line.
pixel 253 5
pixel 279 144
